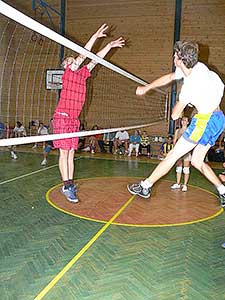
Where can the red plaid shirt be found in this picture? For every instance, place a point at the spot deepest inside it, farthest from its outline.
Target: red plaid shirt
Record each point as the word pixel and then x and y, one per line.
pixel 72 96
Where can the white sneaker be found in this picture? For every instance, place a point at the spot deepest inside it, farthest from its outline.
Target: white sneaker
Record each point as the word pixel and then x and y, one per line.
pixel 92 151
pixel 13 155
pixel 44 162
pixel 175 186
pixel 184 188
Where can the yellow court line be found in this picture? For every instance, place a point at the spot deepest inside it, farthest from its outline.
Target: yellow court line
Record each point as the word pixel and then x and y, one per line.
pixel 220 211
pixel 173 224
pixel 81 252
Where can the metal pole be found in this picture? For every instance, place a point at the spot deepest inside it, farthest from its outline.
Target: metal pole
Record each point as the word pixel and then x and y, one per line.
pixel 62 28
pixel 177 24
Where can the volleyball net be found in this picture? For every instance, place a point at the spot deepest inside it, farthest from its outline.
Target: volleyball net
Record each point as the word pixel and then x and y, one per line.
pixel 31 80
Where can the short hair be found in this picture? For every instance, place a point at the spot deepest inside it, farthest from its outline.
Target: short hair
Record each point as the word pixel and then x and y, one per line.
pixel 187 52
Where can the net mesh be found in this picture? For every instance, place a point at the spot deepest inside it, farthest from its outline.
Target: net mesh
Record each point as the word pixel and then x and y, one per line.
pixel 110 99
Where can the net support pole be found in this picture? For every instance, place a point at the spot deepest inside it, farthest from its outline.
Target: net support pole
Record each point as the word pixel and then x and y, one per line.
pixel 62 27
pixel 178 10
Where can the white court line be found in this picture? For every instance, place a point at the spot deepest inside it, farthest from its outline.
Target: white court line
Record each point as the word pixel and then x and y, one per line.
pixel 28 174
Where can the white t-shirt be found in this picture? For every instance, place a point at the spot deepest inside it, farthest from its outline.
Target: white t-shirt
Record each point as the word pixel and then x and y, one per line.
pixel 42 130
pixel 20 129
pixel 202 88
pixel 122 135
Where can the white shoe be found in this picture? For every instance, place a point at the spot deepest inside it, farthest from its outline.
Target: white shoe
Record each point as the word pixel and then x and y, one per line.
pixel 184 188
pixel 13 155
pixel 175 186
pixel 92 151
pixel 44 162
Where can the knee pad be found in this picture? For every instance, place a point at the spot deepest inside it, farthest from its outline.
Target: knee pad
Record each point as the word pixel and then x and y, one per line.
pixel 179 170
pixel 186 170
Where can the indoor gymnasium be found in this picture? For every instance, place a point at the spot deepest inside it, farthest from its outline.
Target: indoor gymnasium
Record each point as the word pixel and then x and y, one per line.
pixel 112 150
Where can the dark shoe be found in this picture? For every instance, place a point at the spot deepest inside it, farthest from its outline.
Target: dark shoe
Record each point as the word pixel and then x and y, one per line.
pixel 137 189
pixel 70 195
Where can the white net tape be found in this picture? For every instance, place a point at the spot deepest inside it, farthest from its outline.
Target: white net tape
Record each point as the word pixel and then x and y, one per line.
pixel 156 106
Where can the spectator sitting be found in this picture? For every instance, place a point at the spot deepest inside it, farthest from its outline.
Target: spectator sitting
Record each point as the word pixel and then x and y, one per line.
pixel 5 133
pixel 108 139
pixel 42 130
pixel 145 143
pixel 121 139
pixel 81 143
pixel 166 147
pixel 48 145
pixel 2 130
pixel 94 141
pixel 101 143
pixel 19 130
pixel 134 143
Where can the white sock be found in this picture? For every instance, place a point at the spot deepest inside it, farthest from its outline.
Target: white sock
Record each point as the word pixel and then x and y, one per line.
pixel 146 184
pixel 221 189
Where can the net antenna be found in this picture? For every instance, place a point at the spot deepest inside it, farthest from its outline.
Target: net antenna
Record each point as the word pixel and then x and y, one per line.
pixel 155 105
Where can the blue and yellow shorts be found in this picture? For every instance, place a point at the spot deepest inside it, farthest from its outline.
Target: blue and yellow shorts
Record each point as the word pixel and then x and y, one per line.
pixel 205 129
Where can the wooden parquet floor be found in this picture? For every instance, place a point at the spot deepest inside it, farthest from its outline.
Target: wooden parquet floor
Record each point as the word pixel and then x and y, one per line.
pixel 124 263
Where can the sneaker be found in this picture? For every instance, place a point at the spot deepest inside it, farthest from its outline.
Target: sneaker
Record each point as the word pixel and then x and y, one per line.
pixel 92 151
pixel 44 162
pixel 175 186
pixel 223 245
pixel 184 188
pixel 73 188
pixel 13 155
pixel 69 194
pixel 137 189
pixel 222 200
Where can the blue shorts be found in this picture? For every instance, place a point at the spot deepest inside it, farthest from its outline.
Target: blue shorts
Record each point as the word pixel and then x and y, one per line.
pixel 205 129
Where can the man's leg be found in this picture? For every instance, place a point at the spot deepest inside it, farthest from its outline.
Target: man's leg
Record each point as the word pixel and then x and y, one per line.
pixel 71 163
pixel 63 164
pixel 115 146
pixel 66 166
pixel 143 189
pixel 178 175
pixel 181 148
pixel 198 162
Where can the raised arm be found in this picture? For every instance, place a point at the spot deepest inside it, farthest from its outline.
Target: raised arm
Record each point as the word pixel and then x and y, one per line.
pixel 101 32
pixel 175 138
pixel 119 43
pixel 177 110
pixel 164 80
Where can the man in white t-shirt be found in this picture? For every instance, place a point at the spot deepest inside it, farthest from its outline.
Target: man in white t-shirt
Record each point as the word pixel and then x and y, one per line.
pixel 204 89
pixel 121 138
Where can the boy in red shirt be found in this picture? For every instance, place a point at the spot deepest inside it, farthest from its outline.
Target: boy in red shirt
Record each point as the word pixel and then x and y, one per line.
pixel 72 98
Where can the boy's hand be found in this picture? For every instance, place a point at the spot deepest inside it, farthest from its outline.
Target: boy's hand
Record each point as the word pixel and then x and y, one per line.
pixel 120 42
pixel 141 90
pixel 101 31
